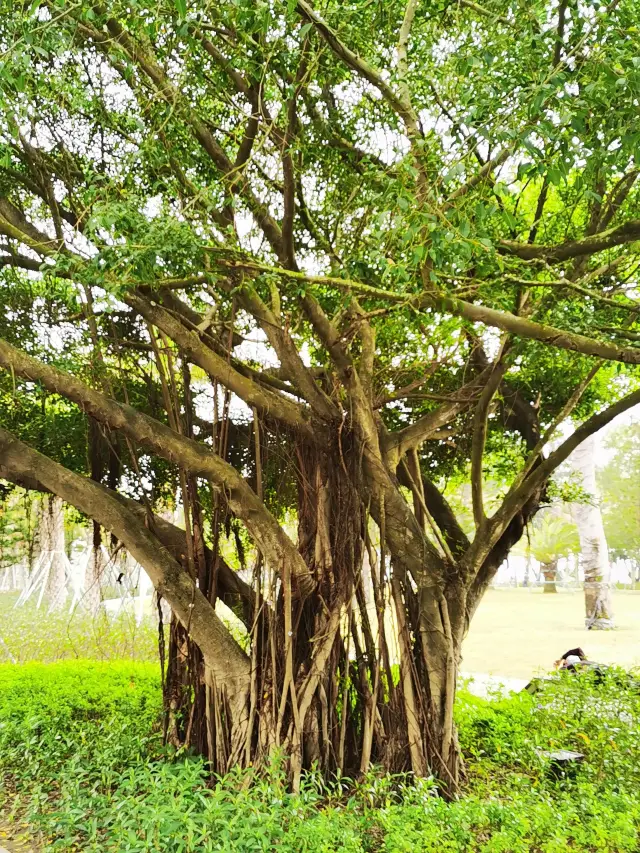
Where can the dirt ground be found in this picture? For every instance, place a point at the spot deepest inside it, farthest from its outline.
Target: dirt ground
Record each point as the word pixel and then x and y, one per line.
pixel 518 632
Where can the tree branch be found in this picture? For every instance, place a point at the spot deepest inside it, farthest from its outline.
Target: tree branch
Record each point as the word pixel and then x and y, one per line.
pixel 628 232
pixel 222 654
pixel 480 176
pixel 287 352
pixel 445 518
pixel 518 326
pixel 188 453
pixel 14 224
pixel 401 50
pixel 398 104
pixel 15 259
pixel 617 197
pixel 486 13
pixel 269 403
pixel 479 439
pixel 523 492
pixel 397 444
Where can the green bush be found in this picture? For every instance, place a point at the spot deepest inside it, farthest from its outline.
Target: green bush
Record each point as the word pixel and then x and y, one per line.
pixel 81 760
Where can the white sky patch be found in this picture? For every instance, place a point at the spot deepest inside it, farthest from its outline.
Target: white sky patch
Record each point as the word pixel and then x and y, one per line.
pixel 205 408
pixel 255 348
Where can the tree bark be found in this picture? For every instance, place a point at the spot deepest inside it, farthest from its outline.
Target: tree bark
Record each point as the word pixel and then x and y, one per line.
pixel 593 542
pixel 52 544
pixel 550 573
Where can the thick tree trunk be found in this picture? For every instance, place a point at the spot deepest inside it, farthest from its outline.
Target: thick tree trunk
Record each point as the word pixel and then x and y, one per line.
pixel 325 681
pixel 550 574
pixel 593 543
pixel 333 684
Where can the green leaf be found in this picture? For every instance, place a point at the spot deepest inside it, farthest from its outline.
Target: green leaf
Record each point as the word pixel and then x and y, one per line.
pixel 555 176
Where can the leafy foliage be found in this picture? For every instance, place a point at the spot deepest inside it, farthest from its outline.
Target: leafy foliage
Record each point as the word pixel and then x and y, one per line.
pixel 80 758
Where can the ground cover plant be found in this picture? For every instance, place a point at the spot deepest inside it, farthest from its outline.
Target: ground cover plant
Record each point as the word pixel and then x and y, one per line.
pixel 81 759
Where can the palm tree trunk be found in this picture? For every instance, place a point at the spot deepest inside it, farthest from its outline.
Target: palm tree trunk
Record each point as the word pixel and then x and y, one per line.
pixel 550 572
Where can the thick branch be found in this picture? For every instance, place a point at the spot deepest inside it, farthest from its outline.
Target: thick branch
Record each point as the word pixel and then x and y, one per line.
pixel 20 261
pixel 222 654
pixel 230 588
pixel 445 518
pixel 189 454
pixel 14 224
pixel 625 233
pixel 524 328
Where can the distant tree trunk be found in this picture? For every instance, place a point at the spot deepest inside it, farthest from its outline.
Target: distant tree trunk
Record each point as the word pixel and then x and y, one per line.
pixel 53 539
pixel 93 574
pixel 593 543
pixel 550 573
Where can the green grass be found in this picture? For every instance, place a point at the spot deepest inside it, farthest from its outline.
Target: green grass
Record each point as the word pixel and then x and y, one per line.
pixel 516 632
pixel 30 634
pixel 81 760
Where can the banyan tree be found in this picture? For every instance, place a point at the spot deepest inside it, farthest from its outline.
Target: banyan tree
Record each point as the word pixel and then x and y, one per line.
pixel 300 266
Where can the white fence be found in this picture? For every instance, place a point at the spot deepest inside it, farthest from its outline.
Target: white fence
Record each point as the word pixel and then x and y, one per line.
pixel 517 571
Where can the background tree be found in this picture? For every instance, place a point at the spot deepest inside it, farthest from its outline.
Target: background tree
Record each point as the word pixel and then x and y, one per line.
pixel 427 216
pixel 619 487
pixel 551 537
pixel 594 553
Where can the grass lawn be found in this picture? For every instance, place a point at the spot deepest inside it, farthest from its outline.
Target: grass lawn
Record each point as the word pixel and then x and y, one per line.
pixel 516 632
pixel 28 634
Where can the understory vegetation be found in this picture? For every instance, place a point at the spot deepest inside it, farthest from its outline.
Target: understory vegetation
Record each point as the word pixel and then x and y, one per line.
pixel 82 761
